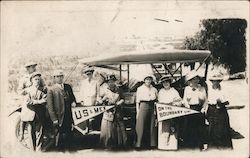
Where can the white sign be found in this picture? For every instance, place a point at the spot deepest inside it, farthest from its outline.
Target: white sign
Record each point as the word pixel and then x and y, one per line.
pixel 165 112
pixel 81 114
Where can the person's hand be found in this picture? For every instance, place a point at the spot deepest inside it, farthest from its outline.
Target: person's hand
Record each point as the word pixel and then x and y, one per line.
pixel 55 123
pixel 73 104
pixel 30 102
pixel 99 102
pixel 82 103
pixel 203 110
pixel 56 126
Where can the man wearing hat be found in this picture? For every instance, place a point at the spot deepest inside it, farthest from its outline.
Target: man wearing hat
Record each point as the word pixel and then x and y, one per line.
pixel 33 112
pixel 60 99
pixel 25 80
pixel 89 94
pixel 146 96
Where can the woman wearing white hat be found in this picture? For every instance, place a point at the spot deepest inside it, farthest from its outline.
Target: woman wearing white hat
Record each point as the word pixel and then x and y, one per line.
pixel 146 97
pixel 195 98
pixel 168 134
pixel 219 126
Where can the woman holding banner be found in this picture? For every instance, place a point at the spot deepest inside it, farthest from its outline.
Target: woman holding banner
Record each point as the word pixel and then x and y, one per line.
pixel 113 134
pixel 195 98
pixel 168 129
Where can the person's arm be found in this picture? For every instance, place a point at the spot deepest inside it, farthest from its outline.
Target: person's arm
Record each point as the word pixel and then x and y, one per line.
pixel 185 102
pixel 81 93
pixel 138 99
pixel 71 94
pixel 177 99
pixel 97 91
pixel 21 88
pixel 50 107
pixel 205 103
pixel 40 101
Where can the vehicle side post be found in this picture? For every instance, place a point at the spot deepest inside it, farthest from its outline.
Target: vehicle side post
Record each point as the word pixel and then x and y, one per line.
pixel 128 73
pixel 206 69
pixel 120 69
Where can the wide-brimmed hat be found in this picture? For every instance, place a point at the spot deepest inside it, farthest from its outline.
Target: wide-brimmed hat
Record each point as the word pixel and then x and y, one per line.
pixel 30 64
pixel 166 78
pixel 58 73
pixel 217 77
pixel 88 69
pixel 35 74
pixel 192 74
pixel 149 76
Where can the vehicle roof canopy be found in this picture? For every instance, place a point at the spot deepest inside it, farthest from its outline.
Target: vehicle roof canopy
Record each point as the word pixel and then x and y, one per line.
pixel 147 57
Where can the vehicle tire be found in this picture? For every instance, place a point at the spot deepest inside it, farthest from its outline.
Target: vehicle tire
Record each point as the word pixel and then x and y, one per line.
pixel 25 141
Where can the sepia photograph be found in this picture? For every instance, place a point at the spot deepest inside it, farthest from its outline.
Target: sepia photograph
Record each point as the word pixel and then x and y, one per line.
pixel 124 78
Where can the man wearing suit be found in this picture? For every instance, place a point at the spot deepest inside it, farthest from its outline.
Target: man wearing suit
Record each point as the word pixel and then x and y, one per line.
pixel 60 99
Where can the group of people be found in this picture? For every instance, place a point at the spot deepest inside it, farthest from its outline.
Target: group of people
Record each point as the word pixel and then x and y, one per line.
pixel 50 110
pixel 46 111
pixel 210 128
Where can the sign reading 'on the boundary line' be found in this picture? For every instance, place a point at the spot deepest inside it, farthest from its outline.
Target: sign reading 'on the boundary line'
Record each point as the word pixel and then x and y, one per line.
pixel 165 112
pixel 81 114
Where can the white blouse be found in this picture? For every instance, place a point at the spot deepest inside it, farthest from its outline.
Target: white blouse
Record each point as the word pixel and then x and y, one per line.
pixel 194 96
pixel 215 95
pixel 168 96
pixel 145 93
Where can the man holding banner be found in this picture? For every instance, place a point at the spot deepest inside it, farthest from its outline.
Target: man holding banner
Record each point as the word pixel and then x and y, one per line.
pixel 89 94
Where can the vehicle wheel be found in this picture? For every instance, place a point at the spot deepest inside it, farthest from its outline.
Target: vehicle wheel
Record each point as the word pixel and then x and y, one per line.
pixel 25 140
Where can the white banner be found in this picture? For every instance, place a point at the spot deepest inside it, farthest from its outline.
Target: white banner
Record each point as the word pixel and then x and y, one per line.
pixel 81 114
pixel 165 112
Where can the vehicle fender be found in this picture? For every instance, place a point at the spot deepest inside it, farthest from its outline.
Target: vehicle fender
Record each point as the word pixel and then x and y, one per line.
pixel 17 109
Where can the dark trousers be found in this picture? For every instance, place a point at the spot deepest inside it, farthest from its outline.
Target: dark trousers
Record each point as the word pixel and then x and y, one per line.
pixel 145 126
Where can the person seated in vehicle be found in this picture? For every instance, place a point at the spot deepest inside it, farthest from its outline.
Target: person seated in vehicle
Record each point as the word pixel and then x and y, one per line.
pixel 113 134
pixel 33 111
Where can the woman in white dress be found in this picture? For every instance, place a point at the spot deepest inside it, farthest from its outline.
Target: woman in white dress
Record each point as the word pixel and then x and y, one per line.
pixel 168 129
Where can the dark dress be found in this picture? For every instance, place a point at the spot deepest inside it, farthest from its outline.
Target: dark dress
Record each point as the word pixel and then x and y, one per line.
pixel 219 126
pixel 194 125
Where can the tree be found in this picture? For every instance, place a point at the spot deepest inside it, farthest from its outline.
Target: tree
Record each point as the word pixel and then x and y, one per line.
pixel 225 38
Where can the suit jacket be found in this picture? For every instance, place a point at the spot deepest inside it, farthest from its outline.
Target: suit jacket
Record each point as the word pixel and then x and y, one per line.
pixel 57 100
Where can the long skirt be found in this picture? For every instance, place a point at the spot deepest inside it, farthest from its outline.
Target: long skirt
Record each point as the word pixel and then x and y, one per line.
pixel 219 128
pixel 145 126
pixel 168 135
pixel 195 129
pixel 113 134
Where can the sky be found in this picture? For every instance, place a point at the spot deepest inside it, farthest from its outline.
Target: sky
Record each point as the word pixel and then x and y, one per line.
pixel 87 27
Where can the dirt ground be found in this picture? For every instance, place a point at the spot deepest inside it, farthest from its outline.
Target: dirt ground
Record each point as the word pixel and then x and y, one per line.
pixel 237 92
